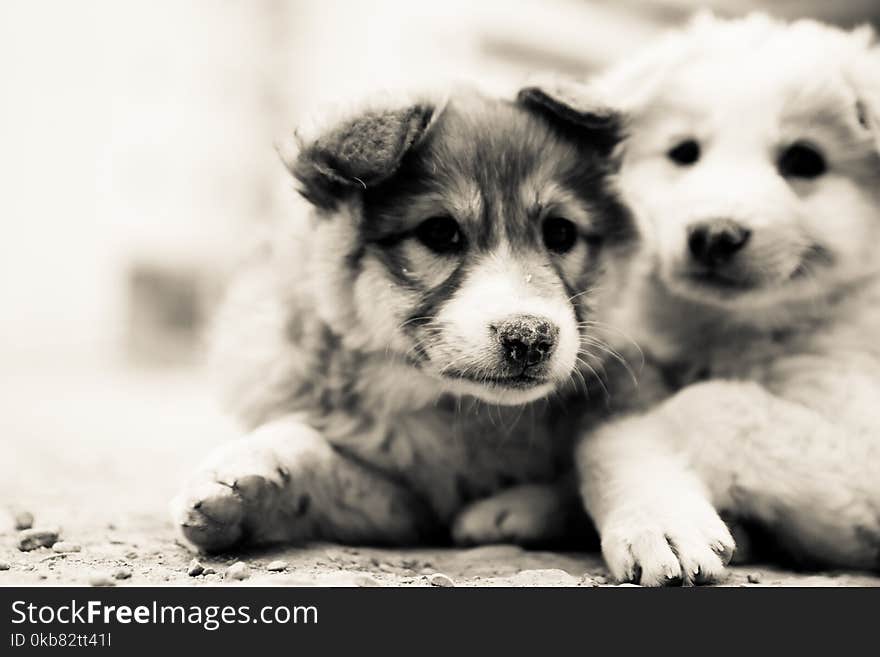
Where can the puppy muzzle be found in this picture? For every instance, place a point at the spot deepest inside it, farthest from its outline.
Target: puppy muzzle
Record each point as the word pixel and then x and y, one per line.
pixel 526 342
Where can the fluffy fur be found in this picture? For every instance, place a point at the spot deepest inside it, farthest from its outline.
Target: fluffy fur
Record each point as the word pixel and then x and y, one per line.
pixel 403 349
pixel 773 343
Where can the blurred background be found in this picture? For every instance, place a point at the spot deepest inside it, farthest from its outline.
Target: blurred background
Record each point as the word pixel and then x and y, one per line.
pixel 137 149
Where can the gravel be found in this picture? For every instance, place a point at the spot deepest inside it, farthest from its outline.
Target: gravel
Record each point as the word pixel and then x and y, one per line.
pixel 238 571
pixel 101 579
pixel 31 539
pixel 439 579
pixel 66 546
pixel 546 577
pixel 23 520
pixel 365 580
pixel 122 573
pixel 195 568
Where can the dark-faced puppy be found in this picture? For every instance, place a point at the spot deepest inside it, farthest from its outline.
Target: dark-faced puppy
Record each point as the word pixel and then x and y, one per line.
pixel 401 348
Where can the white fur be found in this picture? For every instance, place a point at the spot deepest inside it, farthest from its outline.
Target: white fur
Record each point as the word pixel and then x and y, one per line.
pixel 499 288
pixel 786 429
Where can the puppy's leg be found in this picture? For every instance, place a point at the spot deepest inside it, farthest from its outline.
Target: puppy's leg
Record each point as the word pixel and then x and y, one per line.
pixel 654 515
pixel 812 479
pixel 526 515
pixel 284 482
pixel 652 482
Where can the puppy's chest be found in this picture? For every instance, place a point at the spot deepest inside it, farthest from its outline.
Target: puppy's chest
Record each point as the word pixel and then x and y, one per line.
pixel 832 368
pixel 465 452
pixel 738 355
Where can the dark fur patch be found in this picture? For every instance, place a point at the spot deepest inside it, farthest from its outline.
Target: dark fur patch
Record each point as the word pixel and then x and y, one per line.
pixel 492 148
pixel 302 505
pixel 358 153
pixel 486 163
pixel 582 115
pixel 435 298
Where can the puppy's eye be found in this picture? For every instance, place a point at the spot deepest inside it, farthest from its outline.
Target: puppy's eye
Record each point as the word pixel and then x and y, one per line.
pixel 559 234
pixel 802 160
pixel 440 234
pixel 685 153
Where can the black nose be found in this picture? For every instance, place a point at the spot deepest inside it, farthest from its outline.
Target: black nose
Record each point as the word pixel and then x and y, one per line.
pixel 526 340
pixel 714 243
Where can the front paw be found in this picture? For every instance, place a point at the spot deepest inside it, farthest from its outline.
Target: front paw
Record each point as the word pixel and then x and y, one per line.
pixel 210 515
pixel 524 515
pixel 216 513
pixel 494 521
pixel 679 544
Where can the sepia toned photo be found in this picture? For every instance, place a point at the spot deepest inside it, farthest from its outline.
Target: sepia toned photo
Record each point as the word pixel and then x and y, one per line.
pixel 308 293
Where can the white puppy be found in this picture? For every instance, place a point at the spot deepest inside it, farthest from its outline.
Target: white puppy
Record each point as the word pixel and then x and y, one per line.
pixel 753 164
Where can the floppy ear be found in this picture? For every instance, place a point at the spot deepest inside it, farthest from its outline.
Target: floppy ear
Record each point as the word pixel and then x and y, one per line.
pixel 868 112
pixel 863 76
pixel 359 152
pixel 579 109
pixel 869 97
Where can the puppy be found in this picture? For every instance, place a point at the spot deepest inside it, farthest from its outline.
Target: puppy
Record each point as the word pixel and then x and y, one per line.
pixel 402 351
pixel 753 164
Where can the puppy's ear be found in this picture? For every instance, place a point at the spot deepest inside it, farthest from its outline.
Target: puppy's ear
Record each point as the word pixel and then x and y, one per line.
pixel 359 152
pixel 579 109
pixel 864 77
pixel 868 107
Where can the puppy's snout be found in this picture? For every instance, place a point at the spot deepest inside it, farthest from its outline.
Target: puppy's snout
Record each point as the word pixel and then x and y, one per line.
pixel 526 340
pixel 714 243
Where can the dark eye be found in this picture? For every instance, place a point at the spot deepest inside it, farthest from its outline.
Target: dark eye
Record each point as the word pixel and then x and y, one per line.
pixel 801 161
pixel 685 153
pixel 559 234
pixel 440 234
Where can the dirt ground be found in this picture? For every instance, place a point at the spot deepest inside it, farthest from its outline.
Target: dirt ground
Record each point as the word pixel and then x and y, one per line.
pixel 98 452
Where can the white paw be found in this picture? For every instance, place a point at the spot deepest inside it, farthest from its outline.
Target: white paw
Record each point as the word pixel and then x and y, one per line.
pixel 238 498
pixel 217 514
pixel 523 515
pixel 679 544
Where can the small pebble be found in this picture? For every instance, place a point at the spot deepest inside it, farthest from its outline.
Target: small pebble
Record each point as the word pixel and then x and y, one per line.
pixel 5 565
pixel 195 568
pixel 31 539
pixel 754 578
pixel 209 571
pixel 238 570
pixel 131 554
pixel 101 579
pixel 365 580
pixel 439 579
pixel 66 546
pixel 277 566
pixel 122 573
pixel 24 520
